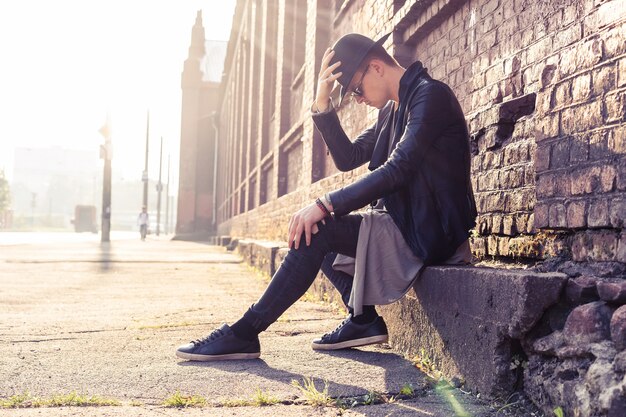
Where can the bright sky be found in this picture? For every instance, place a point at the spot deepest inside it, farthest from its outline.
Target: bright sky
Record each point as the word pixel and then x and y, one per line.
pixel 66 63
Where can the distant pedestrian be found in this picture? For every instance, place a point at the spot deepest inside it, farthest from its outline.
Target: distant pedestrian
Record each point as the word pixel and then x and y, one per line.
pixel 419 157
pixel 143 221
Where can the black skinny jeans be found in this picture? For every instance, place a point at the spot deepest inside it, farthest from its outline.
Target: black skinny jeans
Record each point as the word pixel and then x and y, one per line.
pixel 300 267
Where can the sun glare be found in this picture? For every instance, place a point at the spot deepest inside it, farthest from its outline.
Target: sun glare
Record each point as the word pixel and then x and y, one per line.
pixel 67 63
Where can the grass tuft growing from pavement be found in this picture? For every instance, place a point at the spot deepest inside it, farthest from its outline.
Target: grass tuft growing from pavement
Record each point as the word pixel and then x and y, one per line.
pixel 16 401
pixel 72 399
pixel 177 400
pixel 261 398
pixel 312 395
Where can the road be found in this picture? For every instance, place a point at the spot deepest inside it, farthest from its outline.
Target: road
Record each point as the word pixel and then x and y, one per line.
pixel 78 316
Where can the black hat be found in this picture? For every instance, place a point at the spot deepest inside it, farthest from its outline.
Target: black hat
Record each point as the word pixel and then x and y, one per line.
pixel 351 50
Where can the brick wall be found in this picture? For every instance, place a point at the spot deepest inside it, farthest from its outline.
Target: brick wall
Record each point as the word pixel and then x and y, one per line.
pixel 543 87
pixel 542 83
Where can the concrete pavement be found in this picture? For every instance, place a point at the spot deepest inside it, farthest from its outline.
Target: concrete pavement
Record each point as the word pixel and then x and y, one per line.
pixel 105 320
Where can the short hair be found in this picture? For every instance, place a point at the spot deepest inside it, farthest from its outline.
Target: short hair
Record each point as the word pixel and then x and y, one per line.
pixel 378 52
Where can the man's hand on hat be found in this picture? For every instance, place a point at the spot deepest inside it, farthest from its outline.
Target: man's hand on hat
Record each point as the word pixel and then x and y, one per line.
pixel 326 80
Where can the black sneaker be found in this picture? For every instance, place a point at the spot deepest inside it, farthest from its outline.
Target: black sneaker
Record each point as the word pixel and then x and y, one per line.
pixel 350 334
pixel 221 344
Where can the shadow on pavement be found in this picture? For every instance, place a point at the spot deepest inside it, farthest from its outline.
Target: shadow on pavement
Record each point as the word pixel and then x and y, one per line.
pixel 105 256
pixel 393 384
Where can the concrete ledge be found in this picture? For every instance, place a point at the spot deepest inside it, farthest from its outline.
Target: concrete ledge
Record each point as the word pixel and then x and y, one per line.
pixel 469 321
pixel 260 254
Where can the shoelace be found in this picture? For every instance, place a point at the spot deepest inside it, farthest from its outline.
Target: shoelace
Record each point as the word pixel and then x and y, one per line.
pixel 343 323
pixel 214 335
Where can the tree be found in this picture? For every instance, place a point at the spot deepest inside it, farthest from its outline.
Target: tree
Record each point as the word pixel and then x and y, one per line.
pixel 5 193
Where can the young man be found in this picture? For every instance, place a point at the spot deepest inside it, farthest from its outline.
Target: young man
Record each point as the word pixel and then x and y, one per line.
pixel 419 158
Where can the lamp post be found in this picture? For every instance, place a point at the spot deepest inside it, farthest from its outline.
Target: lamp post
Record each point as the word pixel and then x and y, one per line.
pixel 159 190
pixel 144 175
pixel 106 153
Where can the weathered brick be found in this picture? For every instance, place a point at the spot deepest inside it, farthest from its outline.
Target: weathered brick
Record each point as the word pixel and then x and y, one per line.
pixel 594 246
pixel 503 246
pixel 617 140
pixel 621 175
pixel 579 149
pixel 621 73
pixel 559 157
pixel 492 245
pixel 547 127
pixel 558 218
pixel 621 249
pixel 614 44
pixel 604 245
pixel 598 214
pixel 576 214
pixel 479 247
pixel 567 62
pixel 520 222
pixel 618 330
pixel 492 160
pixel 541 215
pixel 542 157
pixel 563 184
pixel 509 227
pixel 530 226
pixel 615 107
pixel 543 102
pixel 545 185
pixel 608 177
pixel 581 87
pixel 586 180
pixel 496 224
pixel 588 54
pixel 540 49
pixel 494 202
pixel 603 80
pixel 610 12
pixel 581 118
pixel 617 213
pixel 562 94
pixel 582 290
pixel 568 36
pixel 489 7
pixel 521 200
pixel 588 323
pixel 598 145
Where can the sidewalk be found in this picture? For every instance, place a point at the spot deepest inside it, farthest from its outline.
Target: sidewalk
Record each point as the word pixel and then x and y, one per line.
pixel 106 321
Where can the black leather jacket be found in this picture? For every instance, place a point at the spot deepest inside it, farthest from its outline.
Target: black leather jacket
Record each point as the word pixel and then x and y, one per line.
pixel 425 181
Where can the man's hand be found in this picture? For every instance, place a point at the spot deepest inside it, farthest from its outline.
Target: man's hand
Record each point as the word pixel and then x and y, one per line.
pixel 326 80
pixel 304 220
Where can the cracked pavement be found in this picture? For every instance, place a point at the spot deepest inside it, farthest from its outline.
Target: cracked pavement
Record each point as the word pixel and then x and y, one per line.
pixel 105 320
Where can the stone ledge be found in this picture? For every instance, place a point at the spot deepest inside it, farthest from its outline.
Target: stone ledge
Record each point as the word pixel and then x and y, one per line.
pixel 260 254
pixel 468 320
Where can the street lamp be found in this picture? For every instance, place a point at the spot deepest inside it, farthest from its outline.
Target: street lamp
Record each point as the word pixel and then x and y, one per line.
pixel 106 153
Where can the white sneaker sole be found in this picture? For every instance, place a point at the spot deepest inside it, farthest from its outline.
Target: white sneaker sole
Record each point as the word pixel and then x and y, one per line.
pixel 226 357
pixel 372 340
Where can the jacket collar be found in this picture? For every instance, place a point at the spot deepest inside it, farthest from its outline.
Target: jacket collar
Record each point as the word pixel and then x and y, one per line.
pixel 410 77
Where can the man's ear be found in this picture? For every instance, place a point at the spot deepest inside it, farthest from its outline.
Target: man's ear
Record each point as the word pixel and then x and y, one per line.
pixel 377 66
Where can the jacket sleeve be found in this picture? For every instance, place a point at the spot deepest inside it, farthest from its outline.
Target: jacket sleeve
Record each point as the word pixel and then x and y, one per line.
pixel 427 119
pixel 347 155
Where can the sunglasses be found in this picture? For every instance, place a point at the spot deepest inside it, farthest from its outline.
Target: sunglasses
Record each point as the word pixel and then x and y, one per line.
pixel 358 90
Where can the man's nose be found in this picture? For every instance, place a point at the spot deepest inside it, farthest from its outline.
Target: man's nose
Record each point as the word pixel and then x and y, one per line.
pixel 360 99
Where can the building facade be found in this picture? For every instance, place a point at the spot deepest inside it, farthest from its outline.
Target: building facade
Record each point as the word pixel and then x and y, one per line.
pixel 200 86
pixel 543 87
